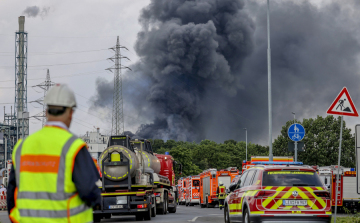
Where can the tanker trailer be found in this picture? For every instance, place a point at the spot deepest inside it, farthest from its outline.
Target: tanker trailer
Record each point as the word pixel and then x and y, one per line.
pixel 126 185
pixel 164 175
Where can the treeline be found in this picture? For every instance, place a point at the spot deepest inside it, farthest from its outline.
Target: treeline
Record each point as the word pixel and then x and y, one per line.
pixel 321 148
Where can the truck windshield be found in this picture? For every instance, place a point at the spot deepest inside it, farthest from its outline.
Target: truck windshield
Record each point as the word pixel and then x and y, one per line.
pixel 291 178
pixel 196 183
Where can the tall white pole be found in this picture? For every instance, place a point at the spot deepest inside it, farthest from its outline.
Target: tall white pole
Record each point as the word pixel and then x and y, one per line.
pixel 246 142
pixel 269 82
pixel 338 170
pixel 5 152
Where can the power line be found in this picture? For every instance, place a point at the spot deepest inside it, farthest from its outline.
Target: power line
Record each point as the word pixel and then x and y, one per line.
pixel 54 53
pixel 70 75
pixel 50 65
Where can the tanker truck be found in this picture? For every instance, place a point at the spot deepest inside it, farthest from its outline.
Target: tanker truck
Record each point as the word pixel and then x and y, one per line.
pixel 134 181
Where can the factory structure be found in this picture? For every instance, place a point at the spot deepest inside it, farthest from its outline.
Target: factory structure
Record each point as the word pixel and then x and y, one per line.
pixel 96 142
pixel 16 122
pixel 16 117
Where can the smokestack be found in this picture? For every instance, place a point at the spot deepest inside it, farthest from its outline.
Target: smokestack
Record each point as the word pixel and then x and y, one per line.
pixel 21 23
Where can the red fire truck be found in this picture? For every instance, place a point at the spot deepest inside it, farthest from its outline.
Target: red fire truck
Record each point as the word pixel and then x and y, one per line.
pixel 278 159
pixel 348 199
pixel 193 191
pixel 209 182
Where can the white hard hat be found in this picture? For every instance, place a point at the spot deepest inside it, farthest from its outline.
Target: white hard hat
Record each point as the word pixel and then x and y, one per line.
pixel 60 95
pixel 221 183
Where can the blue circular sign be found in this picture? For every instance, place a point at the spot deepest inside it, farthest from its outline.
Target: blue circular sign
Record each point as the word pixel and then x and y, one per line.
pixel 296 132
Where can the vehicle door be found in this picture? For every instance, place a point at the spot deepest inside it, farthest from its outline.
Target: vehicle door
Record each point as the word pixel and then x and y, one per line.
pixel 235 199
pixel 246 189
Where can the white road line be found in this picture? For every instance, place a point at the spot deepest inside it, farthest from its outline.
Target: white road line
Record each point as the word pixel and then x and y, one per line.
pixel 194 219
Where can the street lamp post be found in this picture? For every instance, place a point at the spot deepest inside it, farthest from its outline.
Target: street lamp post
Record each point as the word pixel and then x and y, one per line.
pixel 246 142
pixel 269 82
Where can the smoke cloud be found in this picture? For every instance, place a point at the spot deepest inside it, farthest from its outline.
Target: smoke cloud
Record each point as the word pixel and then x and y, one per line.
pixel 34 11
pixel 203 67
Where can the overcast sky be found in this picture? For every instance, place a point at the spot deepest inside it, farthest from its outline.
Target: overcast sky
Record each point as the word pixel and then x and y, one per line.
pixel 58 30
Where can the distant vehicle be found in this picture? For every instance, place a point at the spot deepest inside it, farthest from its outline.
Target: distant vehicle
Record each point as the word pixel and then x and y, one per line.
pixel 278 193
pixel 193 191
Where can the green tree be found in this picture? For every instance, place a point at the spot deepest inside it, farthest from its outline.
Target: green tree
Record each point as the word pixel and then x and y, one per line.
pixel 321 142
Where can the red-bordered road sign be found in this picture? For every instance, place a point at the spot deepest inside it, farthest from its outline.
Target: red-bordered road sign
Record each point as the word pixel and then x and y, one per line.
pixel 343 105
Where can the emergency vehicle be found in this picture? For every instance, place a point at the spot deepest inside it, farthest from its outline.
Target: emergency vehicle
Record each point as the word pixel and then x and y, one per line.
pixel 193 191
pixel 209 182
pixel 348 199
pixel 278 193
pixel 181 195
pixel 256 159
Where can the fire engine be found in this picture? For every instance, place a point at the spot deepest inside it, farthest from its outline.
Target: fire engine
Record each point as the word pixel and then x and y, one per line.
pixel 209 182
pixel 193 191
pixel 276 159
pixel 348 199
pixel 181 182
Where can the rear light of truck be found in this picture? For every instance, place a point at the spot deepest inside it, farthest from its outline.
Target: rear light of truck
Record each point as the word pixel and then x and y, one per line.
pixel 323 194
pixel 142 206
pixel 264 193
pixel 157 194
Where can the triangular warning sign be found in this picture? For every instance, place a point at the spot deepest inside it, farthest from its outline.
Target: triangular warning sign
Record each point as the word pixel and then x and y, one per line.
pixel 343 105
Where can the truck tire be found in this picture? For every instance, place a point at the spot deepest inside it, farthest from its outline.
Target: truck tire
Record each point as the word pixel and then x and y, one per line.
pixel 163 206
pixel 153 211
pixel 173 209
pixel 166 201
pixel 139 217
pixel 97 217
pixel 147 215
pixel 202 205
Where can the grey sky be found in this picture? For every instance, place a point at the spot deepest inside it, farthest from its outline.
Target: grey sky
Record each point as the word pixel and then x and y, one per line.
pixel 300 82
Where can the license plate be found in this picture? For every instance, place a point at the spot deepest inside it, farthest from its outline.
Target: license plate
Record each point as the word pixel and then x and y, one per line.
pixel 115 206
pixel 294 202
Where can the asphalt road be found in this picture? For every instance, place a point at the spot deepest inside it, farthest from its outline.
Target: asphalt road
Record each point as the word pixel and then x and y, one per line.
pixel 183 215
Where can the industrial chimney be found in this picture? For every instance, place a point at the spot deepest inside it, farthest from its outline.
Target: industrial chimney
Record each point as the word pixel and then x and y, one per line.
pixel 21 80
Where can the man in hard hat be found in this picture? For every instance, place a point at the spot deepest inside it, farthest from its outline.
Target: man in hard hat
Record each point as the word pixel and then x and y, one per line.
pixel 53 176
pixel 221 193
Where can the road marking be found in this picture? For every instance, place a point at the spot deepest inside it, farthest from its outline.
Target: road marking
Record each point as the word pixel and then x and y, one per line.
pixel 194 219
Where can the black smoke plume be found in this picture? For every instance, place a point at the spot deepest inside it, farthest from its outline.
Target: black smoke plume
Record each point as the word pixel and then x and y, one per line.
pixel 203 67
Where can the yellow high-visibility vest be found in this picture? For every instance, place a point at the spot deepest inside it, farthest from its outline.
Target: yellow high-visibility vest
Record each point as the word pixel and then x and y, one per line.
pixel 222 192
pixel 45 192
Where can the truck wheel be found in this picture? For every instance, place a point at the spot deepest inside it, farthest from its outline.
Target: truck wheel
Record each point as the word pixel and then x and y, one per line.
pixel 173 210
pixel 166 203
pixel 163 205
pixel 147 215
pixel 186 204
pixel 153 211
pixel 202 205
pixel 139 217
pixel 97 217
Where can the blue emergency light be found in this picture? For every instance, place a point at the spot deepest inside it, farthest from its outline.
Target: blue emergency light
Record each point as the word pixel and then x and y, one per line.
pixel 278 163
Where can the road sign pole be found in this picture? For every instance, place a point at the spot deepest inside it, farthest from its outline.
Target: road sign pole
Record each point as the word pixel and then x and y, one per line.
pixel 338 171
pixel 296 151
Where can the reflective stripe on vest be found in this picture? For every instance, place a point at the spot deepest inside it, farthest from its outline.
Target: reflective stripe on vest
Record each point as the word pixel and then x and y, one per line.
pixel 59 195
pixel 51 168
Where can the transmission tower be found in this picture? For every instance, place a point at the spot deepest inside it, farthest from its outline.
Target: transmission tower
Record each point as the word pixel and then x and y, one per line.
pixel 45 86
pixel 118 112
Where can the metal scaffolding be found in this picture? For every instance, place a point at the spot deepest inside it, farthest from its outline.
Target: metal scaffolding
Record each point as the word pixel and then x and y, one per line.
pixel 118 125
